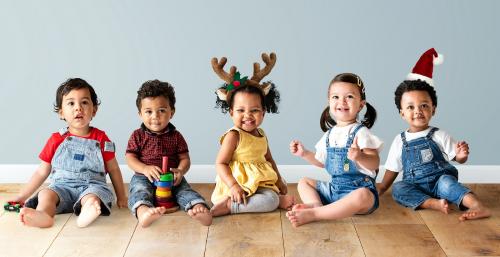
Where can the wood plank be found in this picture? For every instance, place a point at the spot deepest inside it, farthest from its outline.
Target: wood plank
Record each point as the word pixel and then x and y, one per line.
pixel 19 240
pixel 106 236
pixel 389 212
pixel 246 235
pixel 169 236
pixel 398 240
pixel 325 238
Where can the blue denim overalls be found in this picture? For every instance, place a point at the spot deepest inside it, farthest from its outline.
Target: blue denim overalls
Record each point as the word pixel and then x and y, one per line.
pixel 426 174
pixel 78 170
pixel 345 175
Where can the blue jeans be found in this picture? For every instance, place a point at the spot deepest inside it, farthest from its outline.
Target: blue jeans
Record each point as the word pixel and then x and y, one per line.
pixel 330 192
pixel 142 192
pixel 413 195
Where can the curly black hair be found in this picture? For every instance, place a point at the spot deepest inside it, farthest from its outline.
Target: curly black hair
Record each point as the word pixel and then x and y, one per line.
pixel 71 84
pixel 154 88
pixel 412 85
pixel 269 101
pixel 326 121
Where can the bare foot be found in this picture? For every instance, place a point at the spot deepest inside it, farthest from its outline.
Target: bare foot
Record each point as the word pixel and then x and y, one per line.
pixel 301 206
pixel 286 201
pixel 475 213
pixel 221 208
pixel 301 217
pixel 91 209
pixel 436 204
pixel 149 215
pixel 200 213
pixel 33 218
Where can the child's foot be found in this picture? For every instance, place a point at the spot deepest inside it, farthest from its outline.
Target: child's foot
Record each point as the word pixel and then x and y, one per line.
pixel 286 201
pixel 301 206
pixel 150 215
pixel 300 217
pixel 91 209
pixel 201 213
pixel 221 208
pixel 475 213
pixel 436 204
pixel 33 218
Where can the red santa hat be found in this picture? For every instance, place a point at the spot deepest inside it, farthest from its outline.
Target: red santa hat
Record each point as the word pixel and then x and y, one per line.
pixel 423 68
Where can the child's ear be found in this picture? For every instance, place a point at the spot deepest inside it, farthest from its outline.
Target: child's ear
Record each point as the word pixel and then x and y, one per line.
pixel 363 103
pixel 95 111
pixel 172 113
pixel 401 113
pixel 433 110
pixel 231 112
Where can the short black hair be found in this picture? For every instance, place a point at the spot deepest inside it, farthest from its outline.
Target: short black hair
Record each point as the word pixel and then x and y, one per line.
pixel 414 85
pixel 71 84
pixel 154 88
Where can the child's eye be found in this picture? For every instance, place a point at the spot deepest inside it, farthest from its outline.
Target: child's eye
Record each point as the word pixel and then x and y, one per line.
pixel 350 97
pixel 410 107
pixel 70 103
pixel 335 97
pixel 255 111
pixel 162 110
pixel 148 112
pixel 240 110
pixel 85 102
pixel 424 106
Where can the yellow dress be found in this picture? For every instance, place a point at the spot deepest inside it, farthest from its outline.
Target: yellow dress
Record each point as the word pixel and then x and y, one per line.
pixel 248 166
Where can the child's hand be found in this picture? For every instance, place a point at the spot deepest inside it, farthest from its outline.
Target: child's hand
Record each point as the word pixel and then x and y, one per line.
pixel 462 151
pixel 282 187
pixel 178 175
pixel 122 202
pixel 354 152
pixel 238 194
pixel 152 172
pixel 17 199
pixel 380 189
pixel 297 148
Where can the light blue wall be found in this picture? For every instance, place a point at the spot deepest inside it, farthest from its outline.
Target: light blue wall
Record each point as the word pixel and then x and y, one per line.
pixel 117 45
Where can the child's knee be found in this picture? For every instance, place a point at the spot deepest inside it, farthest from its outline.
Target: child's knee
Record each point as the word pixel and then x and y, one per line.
pixel 307 182
pixel 47 195
pixel 445 183
pixel 364 196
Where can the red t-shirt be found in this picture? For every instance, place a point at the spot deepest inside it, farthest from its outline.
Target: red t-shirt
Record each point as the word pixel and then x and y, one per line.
pixel 56 139
pixel 151 147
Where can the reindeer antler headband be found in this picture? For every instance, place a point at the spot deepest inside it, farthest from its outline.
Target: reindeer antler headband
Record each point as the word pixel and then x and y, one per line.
pixel 233 78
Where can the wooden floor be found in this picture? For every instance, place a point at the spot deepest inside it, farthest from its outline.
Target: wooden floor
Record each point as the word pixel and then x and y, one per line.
pixel 390 231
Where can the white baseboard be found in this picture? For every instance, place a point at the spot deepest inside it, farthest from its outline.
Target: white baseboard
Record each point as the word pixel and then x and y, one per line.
pixel 477 174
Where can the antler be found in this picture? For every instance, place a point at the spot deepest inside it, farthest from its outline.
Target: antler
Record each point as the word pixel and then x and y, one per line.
pixel 218 67
pixel 259 74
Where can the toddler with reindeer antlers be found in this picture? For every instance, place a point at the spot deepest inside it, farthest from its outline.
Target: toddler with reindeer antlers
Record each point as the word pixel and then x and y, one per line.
pixel 247 176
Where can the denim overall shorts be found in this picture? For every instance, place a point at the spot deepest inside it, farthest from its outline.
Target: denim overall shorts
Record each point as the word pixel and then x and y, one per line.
pixel 78 170
pixel 426 174
pixel 345 175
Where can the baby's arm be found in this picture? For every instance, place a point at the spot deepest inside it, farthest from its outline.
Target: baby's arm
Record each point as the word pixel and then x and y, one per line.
pixel 182 169
pixel 298 149
pixel 116 178
pixel 36 180
pixel 224 156
pixel 280 184
pixel 387 181
pixel 150 171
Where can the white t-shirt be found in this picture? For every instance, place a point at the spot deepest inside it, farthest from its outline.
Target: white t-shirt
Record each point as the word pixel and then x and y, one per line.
pixel 444 141
pixel 338 138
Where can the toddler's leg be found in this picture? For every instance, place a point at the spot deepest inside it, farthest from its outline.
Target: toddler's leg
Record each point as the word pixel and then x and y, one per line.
pixel 476 209
pixel 308 194
pixel 264 200
pixel 147 215
pixel 192 202
pixel 91 209
pixel 359 201
pixel 43 216
pixel 411 195
pixel 449 188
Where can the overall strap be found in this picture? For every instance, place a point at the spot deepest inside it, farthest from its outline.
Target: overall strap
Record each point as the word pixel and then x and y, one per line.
pixel 352 135
pixel 403 138
pixel 328 138
pixel 431 133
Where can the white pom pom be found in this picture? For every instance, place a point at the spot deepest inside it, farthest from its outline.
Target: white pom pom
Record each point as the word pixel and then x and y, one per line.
pixel 438 60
